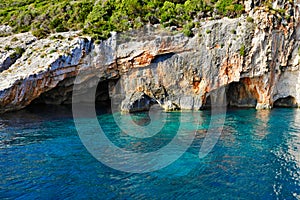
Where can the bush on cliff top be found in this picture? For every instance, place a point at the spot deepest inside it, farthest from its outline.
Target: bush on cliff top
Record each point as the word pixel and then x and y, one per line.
pixel 99 18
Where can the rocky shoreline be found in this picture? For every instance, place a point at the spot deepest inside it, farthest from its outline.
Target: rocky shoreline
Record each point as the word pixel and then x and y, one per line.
pixel 257 60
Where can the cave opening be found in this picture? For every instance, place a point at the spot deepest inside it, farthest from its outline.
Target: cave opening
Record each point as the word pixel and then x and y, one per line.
pixel 206 104
pixel 238 96
pixel 62 95
pixel 286 102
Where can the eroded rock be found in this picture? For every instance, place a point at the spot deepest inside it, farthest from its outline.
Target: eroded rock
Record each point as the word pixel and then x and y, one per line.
pixel 257 61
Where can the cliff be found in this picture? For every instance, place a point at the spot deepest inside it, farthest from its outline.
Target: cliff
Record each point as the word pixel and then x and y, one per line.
pixel 256 57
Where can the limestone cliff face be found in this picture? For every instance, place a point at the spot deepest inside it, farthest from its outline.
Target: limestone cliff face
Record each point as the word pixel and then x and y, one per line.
pixel 257 61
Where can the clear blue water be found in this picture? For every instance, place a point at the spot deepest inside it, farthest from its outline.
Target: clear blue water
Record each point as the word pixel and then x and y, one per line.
pixel 256 157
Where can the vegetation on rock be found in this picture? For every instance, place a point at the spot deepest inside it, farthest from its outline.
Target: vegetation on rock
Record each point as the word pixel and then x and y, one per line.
pixel 250 19
pixel 99 18
pixel 242 50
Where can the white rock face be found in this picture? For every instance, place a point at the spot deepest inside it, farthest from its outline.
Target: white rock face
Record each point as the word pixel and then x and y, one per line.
pixel 43 65
pixel 248 5
pixel 4 29
pixel 288 85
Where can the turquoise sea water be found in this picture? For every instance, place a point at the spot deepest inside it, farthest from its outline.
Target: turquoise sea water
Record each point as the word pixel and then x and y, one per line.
pixel 256 157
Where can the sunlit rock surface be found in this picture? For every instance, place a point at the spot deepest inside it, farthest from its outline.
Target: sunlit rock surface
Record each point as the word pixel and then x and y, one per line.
pixel 257 62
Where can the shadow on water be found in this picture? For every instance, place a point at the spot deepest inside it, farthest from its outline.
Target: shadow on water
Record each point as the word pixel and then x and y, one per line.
pixel 32 124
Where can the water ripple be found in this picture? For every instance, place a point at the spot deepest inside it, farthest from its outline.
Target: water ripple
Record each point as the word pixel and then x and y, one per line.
pixel 256 157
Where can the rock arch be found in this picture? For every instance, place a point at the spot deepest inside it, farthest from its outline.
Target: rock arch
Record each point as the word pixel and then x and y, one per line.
pixel 238 95
pixel 286 102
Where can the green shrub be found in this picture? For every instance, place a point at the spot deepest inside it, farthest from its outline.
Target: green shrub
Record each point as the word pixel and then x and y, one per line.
pixel 250 19
pixel 19 50
pixel 60 37
pixel 242 50
pixel 229 8
pixel 7 48
pixel 60 28
pixel 208 31
pixel 39 33
pixel 14 39
pixel 167 11
pixel 55 23
pixel 187 29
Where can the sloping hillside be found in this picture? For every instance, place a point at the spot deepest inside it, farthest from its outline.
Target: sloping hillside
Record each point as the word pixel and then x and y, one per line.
pixel 99 18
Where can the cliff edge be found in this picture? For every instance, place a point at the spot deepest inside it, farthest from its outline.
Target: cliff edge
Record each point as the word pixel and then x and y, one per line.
pixel 256 57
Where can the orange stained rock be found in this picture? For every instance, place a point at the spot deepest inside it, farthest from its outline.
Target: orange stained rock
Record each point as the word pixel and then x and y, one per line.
pixel 139 89
pixel 258 89
pixel 196 87
pixel 230 69
pixel 144 59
